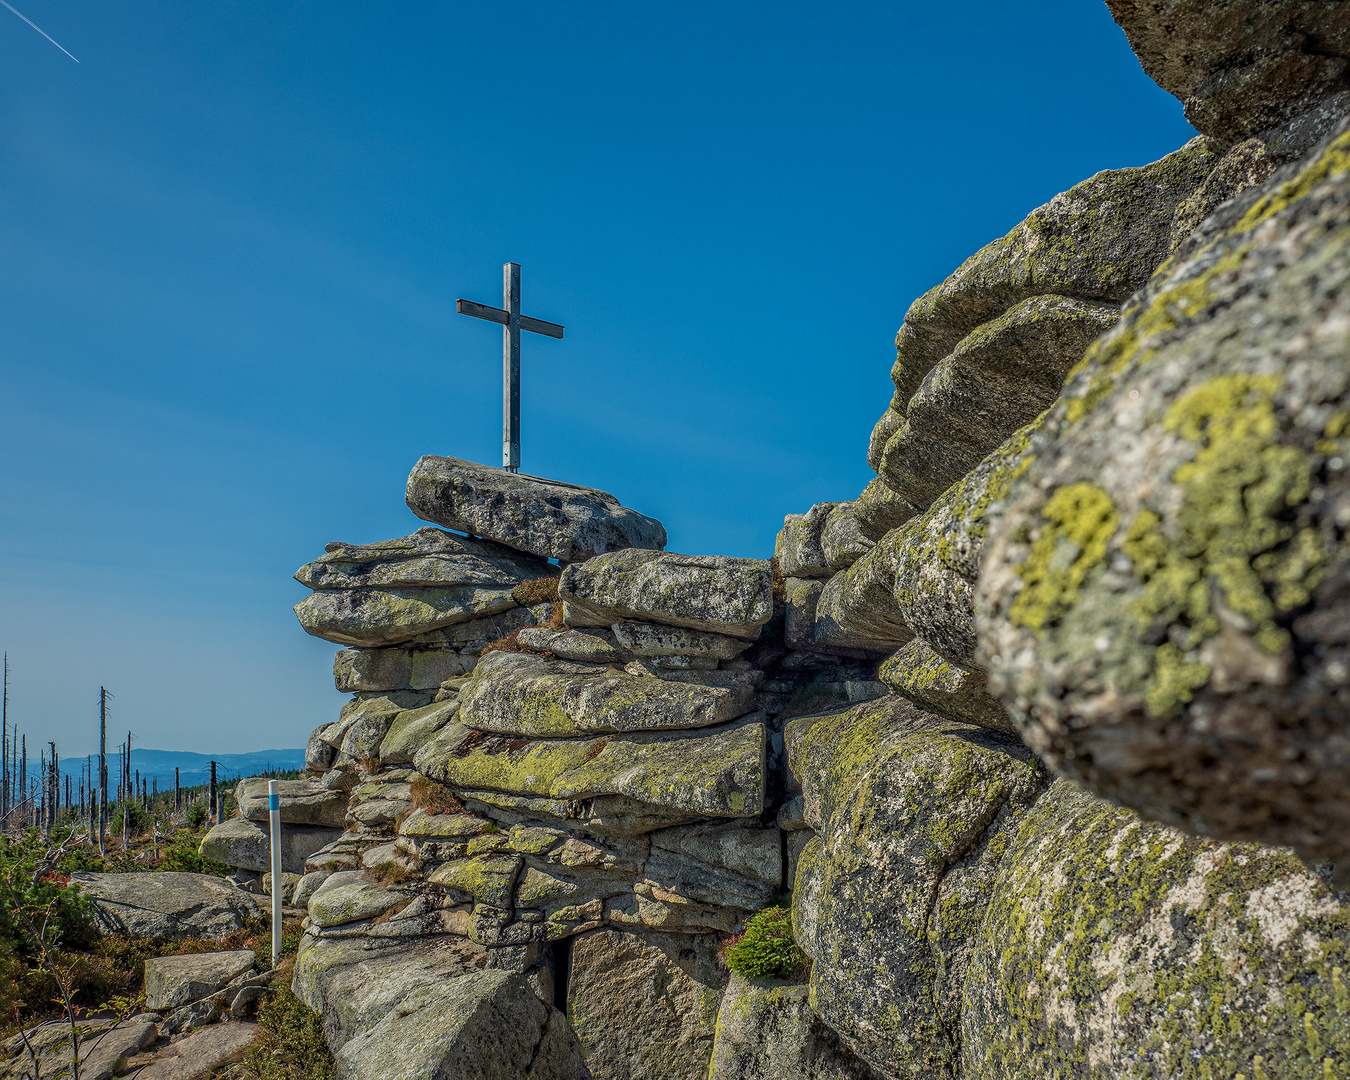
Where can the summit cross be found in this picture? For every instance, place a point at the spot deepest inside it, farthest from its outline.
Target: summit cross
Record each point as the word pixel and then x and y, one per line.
pixel 513 322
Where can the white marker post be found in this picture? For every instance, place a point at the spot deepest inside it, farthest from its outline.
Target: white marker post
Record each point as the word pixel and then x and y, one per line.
pixel 274 815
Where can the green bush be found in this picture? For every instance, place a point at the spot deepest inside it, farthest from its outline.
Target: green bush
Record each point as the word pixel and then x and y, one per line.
pixel 184 854
pixel 196 815
pixel 290 1045
pixel 766 948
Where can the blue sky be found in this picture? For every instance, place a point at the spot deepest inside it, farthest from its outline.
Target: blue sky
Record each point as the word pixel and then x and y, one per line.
pixel 234 232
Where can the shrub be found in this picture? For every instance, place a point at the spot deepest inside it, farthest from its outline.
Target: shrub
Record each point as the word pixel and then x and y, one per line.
pixel 434 798
pixel 290 1043
pixel 185 854
pixel 196 815
pixel 392 873
pixel 765 948
pixel 542 590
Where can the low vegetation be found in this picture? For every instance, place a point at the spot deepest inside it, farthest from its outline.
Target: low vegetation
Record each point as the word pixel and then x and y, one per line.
pixel 766 948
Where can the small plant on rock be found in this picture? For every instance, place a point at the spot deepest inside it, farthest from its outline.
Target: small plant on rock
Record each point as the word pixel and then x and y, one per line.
pixel 434 798
pixel 542 590
pixel 765 948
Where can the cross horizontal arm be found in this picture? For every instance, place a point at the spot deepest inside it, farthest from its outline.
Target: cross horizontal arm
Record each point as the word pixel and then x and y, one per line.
pixel 482 311
pixel 538 326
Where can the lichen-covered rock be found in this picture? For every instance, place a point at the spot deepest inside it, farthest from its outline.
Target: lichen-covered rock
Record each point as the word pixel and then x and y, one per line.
pixel 522 694
pixel 171 981
pixel 244 844
pixel 365 721
pixel 715 593
pixel 303 802
pixel 918 810
pixel 644 1005
pixel 1245 67
pixel 591 646
pixel 346 897
pixel 881 433
pixel 879 510
pixel 767 1031
pixel 842 540
pixel 370 617
pixel 797 546
pixel 427 557
pixel 997 379
pixel 548 518
pixel 413 727
pixel 1111 946
pixel 166 906
pixel 379 670
pixel 1100 240
pixel 650 639
pixel 856 609
pixel 717 772
pixel 470 637
pixel 937 685
pixel 1162 607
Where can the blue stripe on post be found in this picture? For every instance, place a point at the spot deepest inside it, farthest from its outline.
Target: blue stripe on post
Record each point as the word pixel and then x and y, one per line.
pixel 274 802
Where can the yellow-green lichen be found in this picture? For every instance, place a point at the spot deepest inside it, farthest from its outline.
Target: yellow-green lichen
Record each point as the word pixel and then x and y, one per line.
pixel 1078 522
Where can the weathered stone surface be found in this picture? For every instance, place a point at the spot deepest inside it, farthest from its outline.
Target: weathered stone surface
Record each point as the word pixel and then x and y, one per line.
pixel 166 906
pixel 797 546
pixel 411 728
pixel 303 802
pixel 319 753
pixel 843 540
pixel 364 721
pixel 916 809
pixel 715 593
pixel 1111 946
pixel 378 670
pixel 767 1031
pixel 545 517
pixel 752 853
pixel 199 1054
pixel 713 773
pixel 307 886
pixel 487 1025
pixel 346 897
pixel 1162 606
pixel 856 608
pixel 521 694
pixel 470 637
pixel 879 510
pixel 936 684
pixel 1100 240
pixel 651 639
pixel 882 432
pixel 427 557
pixel 596 646
pixel 171 981
pixel 999 377
pixel 371 617
pixel 801 597
pixel 1245 68
pixel 245 844
pixel 1244 165
pixel 644 1005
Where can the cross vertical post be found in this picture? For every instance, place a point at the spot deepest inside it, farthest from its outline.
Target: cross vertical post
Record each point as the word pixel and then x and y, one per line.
pixel 511 368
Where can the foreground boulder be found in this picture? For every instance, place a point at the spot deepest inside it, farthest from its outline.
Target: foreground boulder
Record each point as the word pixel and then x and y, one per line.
pixel 166 906
pixel 171 981
pixel 547 518
pixel 246 845
pixel 303 802
pixel 1163 608
pixel 713 593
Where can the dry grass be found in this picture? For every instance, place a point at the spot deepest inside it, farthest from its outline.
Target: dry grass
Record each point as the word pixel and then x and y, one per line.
pixel 434 798
pixel 542 590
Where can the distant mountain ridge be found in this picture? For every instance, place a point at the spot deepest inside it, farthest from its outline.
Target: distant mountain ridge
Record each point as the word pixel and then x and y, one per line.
pixel 192 768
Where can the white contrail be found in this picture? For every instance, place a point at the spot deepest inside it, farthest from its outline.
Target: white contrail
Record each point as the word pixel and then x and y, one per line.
pixel 39 29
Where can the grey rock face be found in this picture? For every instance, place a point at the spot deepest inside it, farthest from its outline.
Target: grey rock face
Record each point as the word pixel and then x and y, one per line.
pixel 364 721
pixel 171 981
pixel 857 610
pixel 879 509
pixel 413 727
pixel 427 557
pixel 767 1031
pixel 166 906
pixel 548 518
pixel 371 617
pixel 520 694
pixel 1256 64
pixel 650 639
pixel 714 593
pixel 303 802
pixel 345 897
pixel 916 809
pixel 998 378
pixel 843 540
pixel 587 646
pixel 797 546
pixel 1119 972
pixel 378 670
pixel 1162 606
pixel 200 1053
pixel 245 844
pixel 644 1005
pixel 937 685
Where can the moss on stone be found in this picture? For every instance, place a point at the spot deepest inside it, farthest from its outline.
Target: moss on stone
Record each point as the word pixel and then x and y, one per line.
pixel 1079 521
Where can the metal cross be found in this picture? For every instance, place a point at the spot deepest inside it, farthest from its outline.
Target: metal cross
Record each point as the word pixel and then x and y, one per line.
pixel 513 322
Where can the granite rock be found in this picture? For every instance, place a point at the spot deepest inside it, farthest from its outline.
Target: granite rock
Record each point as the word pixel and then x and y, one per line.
pixel 166 906
pixel 797 546
pixel 372 617
pixel 427 557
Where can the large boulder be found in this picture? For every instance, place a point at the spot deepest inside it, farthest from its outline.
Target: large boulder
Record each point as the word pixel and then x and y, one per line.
pixel 767 1031
pixel 548 518
pixel 797 546
pixel 1163 606
pixel 917 810
pixel 171 981
pixel 377 670
pixel 1243 67
pixel 246 845
pixel 714 593
pixel 938 686
pixel 427 557
pixel 166 906
pixel 644 1005
pixel 370 617
pixel 522 694
pixel 1110 947
pixel 302 802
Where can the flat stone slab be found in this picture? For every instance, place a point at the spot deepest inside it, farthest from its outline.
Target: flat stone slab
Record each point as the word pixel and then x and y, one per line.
pixel 544 517
pixel 521 694
pixel 398 613
pixel 717 772
pixel 346 898
pixel 303 802
pixel 586 646
pixel 713 593
pixel 427 557
pixel 201 1052
pixel 166 906
pixel 377 670
pixel 171 981
pixel 242 843
pixel 652 639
